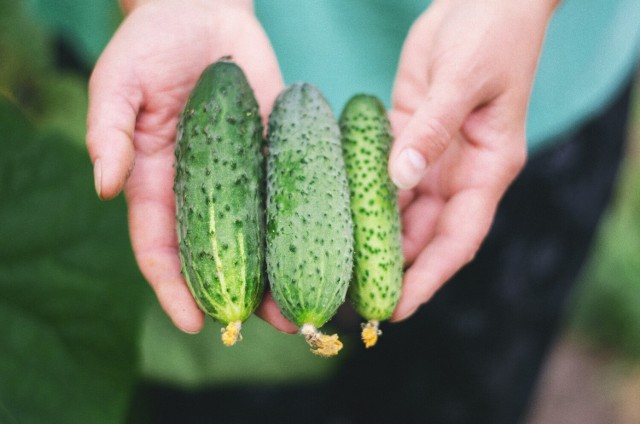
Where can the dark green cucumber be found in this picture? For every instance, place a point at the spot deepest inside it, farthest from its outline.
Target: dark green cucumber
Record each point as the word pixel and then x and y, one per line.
pixel 309 228
pixel 219 196
pixel 378 260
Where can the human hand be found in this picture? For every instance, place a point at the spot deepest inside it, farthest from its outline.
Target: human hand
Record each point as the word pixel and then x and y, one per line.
pixel 137 90
pixel 459 109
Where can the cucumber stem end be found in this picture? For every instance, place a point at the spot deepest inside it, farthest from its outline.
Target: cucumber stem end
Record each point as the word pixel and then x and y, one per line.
pixel 370 333
pixel 231 333
pixel 321 344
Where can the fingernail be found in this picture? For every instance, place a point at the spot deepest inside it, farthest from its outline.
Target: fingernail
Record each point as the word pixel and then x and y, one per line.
pixel 409 168
pixel 97 177
pixel 191 332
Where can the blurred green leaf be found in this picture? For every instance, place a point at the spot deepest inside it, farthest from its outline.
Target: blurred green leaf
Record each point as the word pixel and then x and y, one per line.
pixel 29 77
pixel 25 53
pixel 70 292
pixel 606 310
pixel 5 415
pixel 24 45
pixel 63 102
pixel 86 26
pixel 264 356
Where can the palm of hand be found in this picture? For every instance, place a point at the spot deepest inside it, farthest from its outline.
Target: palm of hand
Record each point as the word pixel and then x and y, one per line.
pixel 137 92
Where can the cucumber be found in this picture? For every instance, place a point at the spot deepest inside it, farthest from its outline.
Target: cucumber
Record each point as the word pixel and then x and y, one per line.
pixel 309 228
pixel 220 197
pixel 378 260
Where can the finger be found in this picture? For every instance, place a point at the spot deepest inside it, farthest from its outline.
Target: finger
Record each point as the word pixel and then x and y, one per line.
pixel 154 239
pixel 114 102
pixel 269 311
pixel 427 134
pixel 159 268
pixel 405 197
pixel 463 224
pixel 418 225
pixel 398 120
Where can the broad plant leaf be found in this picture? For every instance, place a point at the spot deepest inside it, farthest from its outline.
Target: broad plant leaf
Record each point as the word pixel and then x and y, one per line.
pixel 29 76
pixel 606 308
pixel 70 292
pixel 24 46
pixel 86 26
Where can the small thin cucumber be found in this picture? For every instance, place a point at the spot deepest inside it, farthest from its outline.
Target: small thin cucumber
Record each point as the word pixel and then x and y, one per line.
pixel 219 197
pixel 309 228
pixel 378 260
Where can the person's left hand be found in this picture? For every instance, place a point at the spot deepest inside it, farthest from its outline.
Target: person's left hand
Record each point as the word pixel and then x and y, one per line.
pixel 459 109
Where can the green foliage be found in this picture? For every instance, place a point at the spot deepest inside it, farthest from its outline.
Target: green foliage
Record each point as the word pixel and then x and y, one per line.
pixel 6 416
pixel 28 76
pixel 70 292
pixel 264 356
pixel 62 105
pixel 606 311
pixel 85 25
pixel 25 52
pixel 24 47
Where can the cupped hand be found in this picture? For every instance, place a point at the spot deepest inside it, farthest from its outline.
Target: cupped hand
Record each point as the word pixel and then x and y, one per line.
pixel 137 90
pixel 459 107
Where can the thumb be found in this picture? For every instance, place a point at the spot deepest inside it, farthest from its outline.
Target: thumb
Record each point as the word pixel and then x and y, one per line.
pixel 114 102
pixel 426 135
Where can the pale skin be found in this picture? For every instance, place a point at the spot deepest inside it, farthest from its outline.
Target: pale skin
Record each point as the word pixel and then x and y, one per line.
pixel 459 107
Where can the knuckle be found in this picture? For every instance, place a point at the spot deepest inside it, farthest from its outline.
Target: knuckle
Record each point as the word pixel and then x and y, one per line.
pixel 434 136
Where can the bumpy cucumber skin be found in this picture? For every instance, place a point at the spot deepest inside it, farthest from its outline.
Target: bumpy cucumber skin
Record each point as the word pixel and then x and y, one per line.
pixel 378 259
pixel 219 195
pixel 309 228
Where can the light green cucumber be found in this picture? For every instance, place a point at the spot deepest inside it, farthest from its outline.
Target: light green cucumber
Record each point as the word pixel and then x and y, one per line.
pixel 309 228
pixel 219 196
pixel 378 261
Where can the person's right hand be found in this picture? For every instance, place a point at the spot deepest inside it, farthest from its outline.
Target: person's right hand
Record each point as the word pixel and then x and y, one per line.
pixel 137 90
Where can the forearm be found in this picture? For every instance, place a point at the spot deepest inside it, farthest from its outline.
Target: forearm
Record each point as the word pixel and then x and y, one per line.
pixel 129 5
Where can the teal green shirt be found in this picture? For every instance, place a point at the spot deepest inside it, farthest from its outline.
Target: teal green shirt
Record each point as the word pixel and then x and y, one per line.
pixel 349 46
pixel 346 47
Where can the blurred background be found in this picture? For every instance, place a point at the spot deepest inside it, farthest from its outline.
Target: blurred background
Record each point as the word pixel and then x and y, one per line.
pixel 82 335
